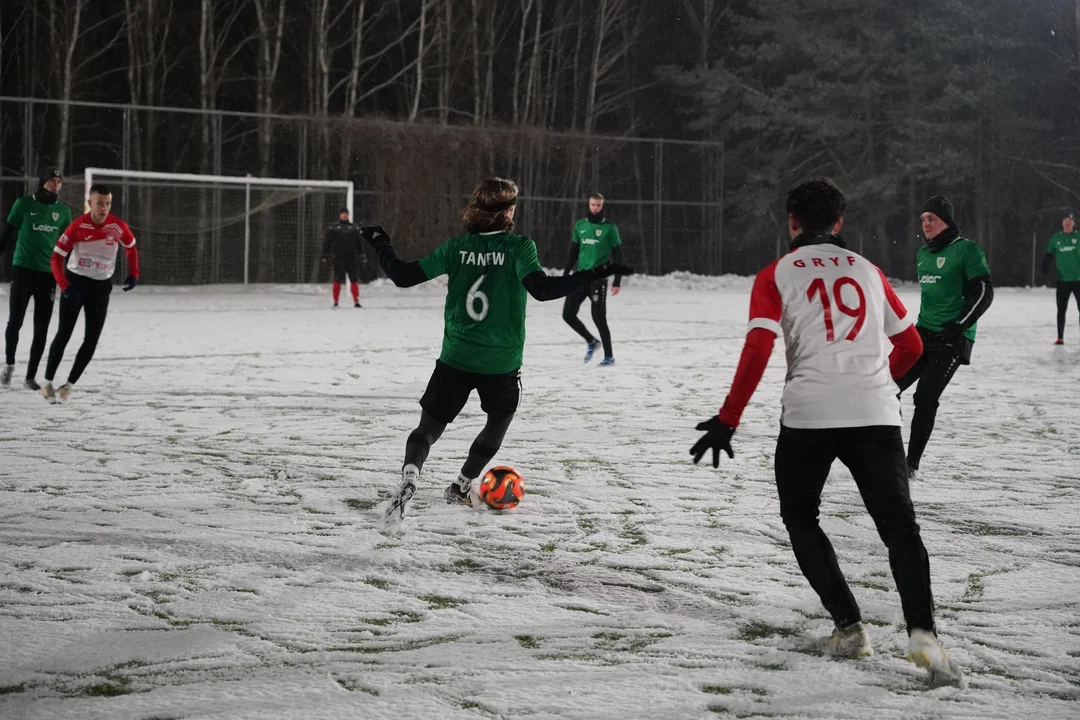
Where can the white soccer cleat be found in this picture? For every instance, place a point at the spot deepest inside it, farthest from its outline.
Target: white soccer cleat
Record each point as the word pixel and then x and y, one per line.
pixel 48 391
pixel 395 509
pixel 5 375
pixel 851 642
pixel 462 492
pixel 925 650
pixel 64 392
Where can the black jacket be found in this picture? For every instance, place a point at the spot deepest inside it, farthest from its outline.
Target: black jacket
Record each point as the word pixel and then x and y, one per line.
pixel 343 240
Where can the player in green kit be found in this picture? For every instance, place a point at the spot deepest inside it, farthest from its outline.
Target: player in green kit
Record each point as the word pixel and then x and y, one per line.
pixel 956 290
pixel 35 221
pixel 490 269
pixel 1064 248
pixel 595 241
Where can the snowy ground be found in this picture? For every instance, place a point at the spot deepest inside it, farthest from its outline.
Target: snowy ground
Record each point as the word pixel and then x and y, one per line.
pixel 194 535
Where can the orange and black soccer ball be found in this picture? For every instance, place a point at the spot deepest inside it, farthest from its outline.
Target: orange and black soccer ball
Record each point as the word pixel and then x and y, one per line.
pixel 502 488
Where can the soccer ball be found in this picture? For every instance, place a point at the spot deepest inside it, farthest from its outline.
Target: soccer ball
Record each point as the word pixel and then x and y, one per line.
pixel 501 488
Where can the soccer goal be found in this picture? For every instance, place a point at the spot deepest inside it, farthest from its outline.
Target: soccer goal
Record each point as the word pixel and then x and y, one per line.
pixel 199 229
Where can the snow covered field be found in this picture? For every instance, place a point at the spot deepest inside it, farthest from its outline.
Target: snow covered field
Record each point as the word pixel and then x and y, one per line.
pixel 194 534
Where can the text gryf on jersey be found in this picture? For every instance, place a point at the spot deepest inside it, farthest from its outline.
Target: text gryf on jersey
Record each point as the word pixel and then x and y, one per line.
pixel 91 249
pixel 836 312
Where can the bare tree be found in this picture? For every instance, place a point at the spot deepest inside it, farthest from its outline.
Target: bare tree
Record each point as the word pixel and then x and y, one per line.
pixel 270 22
pixel 421 49
pixel 70 37
pixel 704 19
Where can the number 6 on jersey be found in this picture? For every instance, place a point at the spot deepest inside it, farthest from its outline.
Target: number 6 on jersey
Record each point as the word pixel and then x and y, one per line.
pixel 476 296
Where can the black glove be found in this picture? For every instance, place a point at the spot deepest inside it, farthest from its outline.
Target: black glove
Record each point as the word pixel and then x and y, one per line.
pixel 374 235
pixel 72 293
pixel 130 282
pixel 952 330
pixel 609 268
pixel 717 436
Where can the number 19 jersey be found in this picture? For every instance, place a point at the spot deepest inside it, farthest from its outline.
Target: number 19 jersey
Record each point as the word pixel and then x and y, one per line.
pixel 837 312
pixel 484 330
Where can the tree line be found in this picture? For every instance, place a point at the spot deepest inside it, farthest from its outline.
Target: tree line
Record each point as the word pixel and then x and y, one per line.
pixel 896 101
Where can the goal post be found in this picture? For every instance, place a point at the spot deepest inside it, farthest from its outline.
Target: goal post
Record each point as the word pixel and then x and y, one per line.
pixel 198 229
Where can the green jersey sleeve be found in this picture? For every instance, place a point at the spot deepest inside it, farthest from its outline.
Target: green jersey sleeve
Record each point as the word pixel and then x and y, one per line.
pixel 14 217
pixel 974 262
pixel 1051 246
pixel 435 264
pixel 526 260
pixel 616 240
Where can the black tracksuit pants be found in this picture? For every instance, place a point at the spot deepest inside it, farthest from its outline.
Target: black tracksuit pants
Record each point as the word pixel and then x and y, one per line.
pixel 597 294
pixel 29 284
pixel 1064 291
pixel 934 370
pixel 94 300
pixel 875 457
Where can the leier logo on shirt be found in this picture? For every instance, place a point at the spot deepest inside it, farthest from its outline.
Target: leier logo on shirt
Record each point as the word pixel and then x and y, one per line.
pixel 940 262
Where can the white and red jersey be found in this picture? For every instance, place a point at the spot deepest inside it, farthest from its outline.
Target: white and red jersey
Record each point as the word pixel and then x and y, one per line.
pixel 837 313
pixel 90 249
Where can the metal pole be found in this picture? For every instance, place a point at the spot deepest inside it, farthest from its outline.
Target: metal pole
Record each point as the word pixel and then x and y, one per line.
pixel 720 259
pixel 28 135
pixel 658 213
pixel 1034 241
pixel 215 235
pixel 247 228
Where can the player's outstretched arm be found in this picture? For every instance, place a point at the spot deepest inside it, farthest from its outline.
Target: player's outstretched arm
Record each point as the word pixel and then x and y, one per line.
pixel 11 231
pixel 545 287
pixel 401 273
pixel 978 295
pixel 572 257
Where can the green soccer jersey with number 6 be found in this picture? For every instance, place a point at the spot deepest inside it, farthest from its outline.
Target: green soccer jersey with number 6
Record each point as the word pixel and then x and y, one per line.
pixel 485 300
pixel 943 279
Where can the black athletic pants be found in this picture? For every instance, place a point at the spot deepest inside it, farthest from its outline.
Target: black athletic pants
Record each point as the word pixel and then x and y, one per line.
pixel 1064 290
pixel 447 392
pixel 875 457
pixel 27 284
pixel 597 293
pixel 933 371
pixel 94 299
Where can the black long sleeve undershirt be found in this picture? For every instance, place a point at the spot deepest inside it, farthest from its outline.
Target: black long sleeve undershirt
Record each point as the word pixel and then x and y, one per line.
pixel 1048 258
pixel 979 294
pixel 572 258
pixel 575 251
pixel 541 286
pixel 9 234
pixel 401 273
pixel 546 287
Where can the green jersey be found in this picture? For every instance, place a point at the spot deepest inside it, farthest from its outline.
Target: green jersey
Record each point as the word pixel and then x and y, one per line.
pixel 943 277
pixel 39 227
pixel 485 300
pixel 1065 247
pixel 596 241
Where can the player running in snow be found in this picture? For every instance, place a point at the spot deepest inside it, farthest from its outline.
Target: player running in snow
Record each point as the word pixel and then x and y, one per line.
pixel 88 248
pixel 489 269
pixel 1064 249
pixel 595 241
pixel 847 337
pixel 343 242
pixel 36 221
pixel 954 281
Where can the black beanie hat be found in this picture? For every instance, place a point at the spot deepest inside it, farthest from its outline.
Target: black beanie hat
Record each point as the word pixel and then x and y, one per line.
pixel 941 207
pixel 48 173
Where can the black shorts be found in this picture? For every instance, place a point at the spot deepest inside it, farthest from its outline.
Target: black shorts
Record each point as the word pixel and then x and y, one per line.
pixel 449 388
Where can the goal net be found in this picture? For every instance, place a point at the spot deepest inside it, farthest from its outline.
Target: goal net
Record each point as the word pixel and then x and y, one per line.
pixel 197 229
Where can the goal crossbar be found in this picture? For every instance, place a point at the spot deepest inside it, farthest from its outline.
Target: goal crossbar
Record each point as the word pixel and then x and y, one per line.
pixel 248 181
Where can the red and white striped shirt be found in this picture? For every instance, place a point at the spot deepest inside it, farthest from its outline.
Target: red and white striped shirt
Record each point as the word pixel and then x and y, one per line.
pixel 847 337
pixel 90 249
